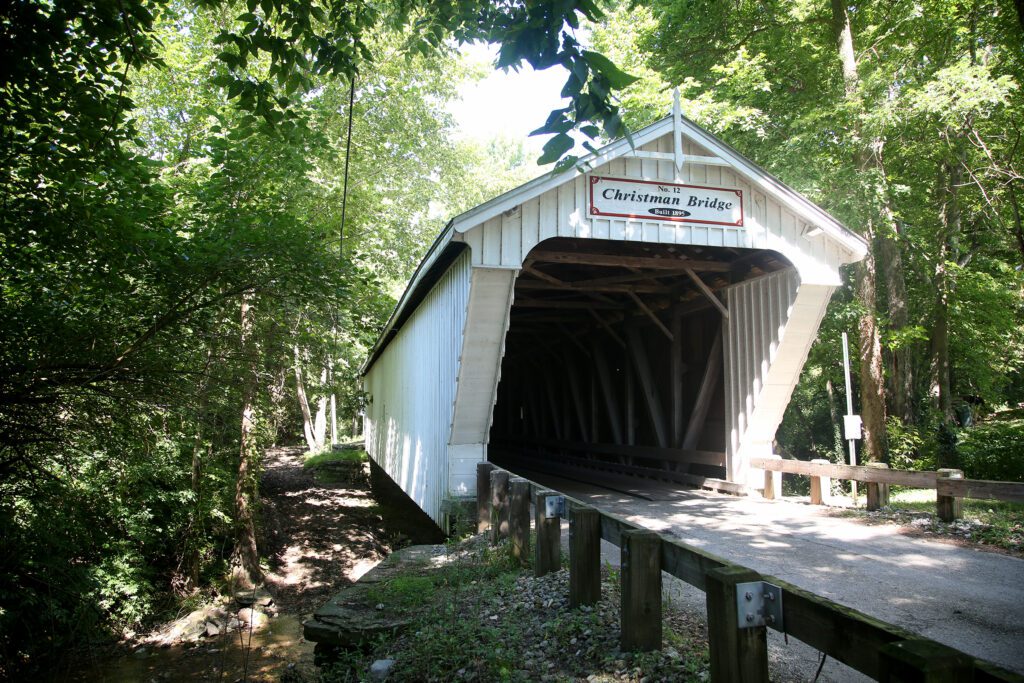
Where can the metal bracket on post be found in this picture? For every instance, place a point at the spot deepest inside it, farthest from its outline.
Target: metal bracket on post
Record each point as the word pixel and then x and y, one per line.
pixel 554 506
pixel 759 604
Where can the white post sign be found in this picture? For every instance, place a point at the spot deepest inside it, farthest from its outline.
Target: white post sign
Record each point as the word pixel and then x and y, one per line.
pixel 661 201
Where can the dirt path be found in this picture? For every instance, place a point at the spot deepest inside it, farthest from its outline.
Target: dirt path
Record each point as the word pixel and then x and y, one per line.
pixel 319 535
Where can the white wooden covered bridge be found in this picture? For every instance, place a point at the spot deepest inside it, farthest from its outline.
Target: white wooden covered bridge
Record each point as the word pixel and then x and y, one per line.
pixel 646 314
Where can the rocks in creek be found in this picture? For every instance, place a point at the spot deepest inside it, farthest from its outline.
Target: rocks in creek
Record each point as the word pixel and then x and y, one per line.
pixel 193 626
pixel 248 597
pixel 252 618
pixel 211 621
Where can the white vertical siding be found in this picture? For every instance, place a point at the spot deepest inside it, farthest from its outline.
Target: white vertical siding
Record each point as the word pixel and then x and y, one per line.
pixel 478 373
pixel 412 391
pixel 772 323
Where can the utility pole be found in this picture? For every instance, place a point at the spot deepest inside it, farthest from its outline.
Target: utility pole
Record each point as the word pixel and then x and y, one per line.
pixel 851 422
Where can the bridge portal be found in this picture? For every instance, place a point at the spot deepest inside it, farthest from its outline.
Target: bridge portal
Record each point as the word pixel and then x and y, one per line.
pixel 646 314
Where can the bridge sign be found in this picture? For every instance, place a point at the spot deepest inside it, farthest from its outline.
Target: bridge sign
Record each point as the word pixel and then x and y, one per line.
pixel 663 201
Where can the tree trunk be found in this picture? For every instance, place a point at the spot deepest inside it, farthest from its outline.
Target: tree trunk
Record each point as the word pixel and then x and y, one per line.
pixel 1018 222
pixel 307 417
pixel 901 376
pixel 245 527
pixel 866 158
pixel 872 383
pixel 941 385
pixel 320 422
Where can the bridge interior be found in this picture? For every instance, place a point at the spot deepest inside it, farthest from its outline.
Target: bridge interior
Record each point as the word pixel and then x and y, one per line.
pixel 613 362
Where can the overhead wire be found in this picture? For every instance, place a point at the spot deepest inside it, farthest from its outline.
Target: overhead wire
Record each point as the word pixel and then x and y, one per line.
pixel 341 248
pixel 348 154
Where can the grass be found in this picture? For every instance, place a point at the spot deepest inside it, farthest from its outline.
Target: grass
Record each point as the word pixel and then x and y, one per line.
pixel 1003 522
pixel 313 460
pixel 482 617
pixel 322 465
pixel 404 592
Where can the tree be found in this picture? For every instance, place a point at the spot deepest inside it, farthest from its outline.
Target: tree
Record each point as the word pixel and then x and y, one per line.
pixel 863 108
pixel 171 233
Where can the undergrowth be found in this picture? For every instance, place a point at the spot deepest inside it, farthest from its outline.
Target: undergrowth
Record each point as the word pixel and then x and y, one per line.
pixel 313 460
pixel 1002 524
pixel 483 617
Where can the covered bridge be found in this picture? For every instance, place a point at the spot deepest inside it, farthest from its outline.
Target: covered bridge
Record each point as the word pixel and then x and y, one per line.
pixel 646 314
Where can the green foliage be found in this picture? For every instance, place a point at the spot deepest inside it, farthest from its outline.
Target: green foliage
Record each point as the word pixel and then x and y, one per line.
pixel 404 592
pixel 313 460
pixel 987 343
pixel 165 164
pixel 909 448
pixel 93 549
pixel 993 449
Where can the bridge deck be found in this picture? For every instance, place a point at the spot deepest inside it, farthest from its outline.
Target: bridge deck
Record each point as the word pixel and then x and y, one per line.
pixel 957 595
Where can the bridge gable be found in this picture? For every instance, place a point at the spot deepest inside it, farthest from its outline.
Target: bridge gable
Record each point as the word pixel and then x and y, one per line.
pixel 502 232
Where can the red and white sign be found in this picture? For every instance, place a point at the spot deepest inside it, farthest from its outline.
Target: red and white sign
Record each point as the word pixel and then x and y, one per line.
pixel 657 201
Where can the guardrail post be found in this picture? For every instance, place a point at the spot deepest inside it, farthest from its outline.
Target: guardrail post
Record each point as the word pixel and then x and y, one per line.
pixel 878 494
pixel 821 486
pixel 641 591
pixel 772 481
pixel 923 661
pixel 584 556
pixel 949 508
pixel 737 654
pixel 519 518
pixel 548 555
pixel 499 506
pixel 483 496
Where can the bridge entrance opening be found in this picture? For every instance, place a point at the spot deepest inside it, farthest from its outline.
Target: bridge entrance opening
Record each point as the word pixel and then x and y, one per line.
pixel 613 363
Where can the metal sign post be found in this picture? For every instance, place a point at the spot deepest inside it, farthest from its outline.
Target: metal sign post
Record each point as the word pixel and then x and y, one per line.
pixel 851 422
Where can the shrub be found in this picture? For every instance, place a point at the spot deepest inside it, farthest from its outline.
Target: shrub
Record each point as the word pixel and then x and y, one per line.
pixel 993 450
pixel 909 448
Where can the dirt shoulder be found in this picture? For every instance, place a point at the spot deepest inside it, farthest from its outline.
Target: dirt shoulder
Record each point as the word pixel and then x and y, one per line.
pixel 321 532
pixel 1006 537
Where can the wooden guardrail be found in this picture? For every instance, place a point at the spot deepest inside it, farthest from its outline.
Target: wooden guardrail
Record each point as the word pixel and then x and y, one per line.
pixel 950 484
pixel 738 650
pixel 1009 491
